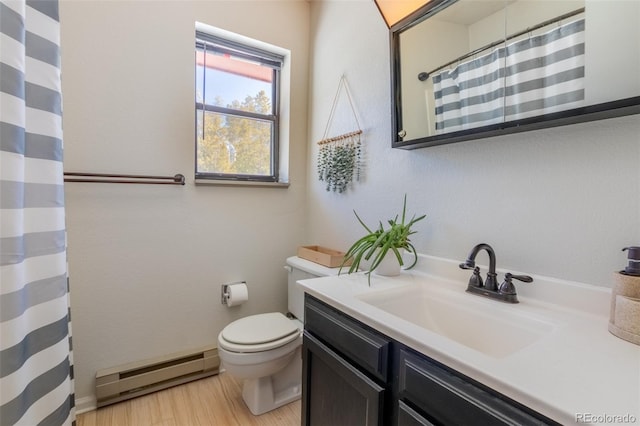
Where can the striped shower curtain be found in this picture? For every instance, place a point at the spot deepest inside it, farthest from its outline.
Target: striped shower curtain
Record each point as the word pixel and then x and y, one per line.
pixel 530 77
pixel 545 74
pixel 470 95
pixel 36 378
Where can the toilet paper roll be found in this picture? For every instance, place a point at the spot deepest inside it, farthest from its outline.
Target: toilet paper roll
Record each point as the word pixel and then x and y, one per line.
pixel 237 294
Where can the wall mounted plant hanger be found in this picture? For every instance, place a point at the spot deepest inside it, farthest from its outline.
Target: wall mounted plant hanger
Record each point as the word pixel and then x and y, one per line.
pixel 340 157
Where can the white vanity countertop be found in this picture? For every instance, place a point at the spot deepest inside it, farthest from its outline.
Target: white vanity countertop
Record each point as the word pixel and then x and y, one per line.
pixel 575 374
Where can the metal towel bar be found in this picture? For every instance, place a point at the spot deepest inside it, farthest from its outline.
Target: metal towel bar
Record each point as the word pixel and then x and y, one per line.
pixel 119 178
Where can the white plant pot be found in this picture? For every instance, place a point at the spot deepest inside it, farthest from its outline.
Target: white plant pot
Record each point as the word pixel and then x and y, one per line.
pixel 389 267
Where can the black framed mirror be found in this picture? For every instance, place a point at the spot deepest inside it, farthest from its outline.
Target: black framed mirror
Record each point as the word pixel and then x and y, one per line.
pixel 470 69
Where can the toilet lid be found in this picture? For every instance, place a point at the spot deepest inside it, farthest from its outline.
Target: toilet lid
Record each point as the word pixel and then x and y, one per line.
pixel 258 329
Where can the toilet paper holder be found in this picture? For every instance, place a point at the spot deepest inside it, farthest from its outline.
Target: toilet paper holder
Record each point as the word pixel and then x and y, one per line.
pixel 224 291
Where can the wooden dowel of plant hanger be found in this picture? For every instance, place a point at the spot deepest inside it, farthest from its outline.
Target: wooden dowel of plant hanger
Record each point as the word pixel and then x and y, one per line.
pixel 340 137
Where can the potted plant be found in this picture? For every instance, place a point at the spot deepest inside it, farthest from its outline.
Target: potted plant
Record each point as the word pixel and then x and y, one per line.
pixel 379 243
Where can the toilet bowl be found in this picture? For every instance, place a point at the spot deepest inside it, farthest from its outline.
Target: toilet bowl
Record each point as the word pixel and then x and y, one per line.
pixel 265 350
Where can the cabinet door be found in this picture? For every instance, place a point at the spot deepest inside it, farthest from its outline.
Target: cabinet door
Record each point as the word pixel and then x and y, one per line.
pixel 334 392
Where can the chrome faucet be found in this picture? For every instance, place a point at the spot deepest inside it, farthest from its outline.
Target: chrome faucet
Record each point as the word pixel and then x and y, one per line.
pixel 505 292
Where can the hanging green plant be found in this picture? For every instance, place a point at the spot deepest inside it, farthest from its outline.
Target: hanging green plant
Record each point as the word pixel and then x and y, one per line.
pixel 339 160
pixel 340 157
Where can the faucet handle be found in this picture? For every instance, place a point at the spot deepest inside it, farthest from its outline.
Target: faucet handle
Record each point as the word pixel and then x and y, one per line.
pixel 507 286
pixel 476 280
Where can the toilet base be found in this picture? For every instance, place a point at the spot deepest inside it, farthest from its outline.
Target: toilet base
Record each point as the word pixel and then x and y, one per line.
pixel 270 392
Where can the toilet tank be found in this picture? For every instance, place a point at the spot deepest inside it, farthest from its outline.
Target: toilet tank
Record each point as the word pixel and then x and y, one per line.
pixel 302 269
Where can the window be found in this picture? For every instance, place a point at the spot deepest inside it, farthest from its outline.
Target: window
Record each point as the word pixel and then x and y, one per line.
pixel 237 110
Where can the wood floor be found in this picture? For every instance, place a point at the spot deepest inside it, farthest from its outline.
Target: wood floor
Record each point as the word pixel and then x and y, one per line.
pixel 216 400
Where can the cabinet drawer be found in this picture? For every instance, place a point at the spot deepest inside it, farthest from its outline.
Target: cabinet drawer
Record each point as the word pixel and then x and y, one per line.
pixel 408 417
pixel 363 346
pixel 449 398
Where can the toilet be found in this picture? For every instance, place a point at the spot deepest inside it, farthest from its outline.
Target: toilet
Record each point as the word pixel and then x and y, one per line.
pixel 265 350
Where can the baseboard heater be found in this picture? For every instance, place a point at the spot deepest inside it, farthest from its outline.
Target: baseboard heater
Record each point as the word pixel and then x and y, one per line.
pixel 140 378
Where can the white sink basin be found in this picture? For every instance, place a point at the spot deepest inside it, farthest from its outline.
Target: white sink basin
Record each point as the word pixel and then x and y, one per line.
pixel 492 327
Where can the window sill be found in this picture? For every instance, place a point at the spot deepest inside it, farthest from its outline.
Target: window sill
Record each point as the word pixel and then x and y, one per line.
pixel 221 182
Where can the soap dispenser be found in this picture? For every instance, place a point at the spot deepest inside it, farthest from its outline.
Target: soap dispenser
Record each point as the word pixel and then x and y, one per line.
pixel 633 258
pixel 624 318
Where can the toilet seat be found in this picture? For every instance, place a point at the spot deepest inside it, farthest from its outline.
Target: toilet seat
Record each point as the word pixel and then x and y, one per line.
pixel 258 333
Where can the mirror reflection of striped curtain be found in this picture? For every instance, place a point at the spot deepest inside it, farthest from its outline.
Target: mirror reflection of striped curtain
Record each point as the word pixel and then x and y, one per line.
pixel 470 95
pixel 36 380
pixel 537 75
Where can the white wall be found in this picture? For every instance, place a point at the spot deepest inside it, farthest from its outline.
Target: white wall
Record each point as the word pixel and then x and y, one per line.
pixel 560 202
pixel 146 262
pixel 610 56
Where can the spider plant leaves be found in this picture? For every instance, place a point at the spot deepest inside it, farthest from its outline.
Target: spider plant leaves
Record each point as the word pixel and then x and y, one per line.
pixel 361 222
pixel 412 249
pixel 375 245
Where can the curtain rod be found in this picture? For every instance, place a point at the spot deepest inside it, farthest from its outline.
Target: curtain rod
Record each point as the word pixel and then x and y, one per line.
pixel 118 178
pixel 425 75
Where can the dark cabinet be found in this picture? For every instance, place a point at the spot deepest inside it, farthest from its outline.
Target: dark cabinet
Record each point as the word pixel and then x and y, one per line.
pixel 335 392
pixel 345 370
pixel 353 375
